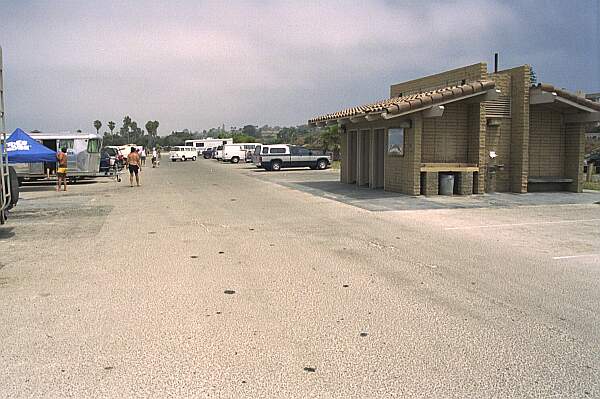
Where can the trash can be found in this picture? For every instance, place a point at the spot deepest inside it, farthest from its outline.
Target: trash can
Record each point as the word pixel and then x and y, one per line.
pixel 446 184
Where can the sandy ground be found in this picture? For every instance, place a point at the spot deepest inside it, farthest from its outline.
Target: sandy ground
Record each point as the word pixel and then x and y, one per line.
pixel 216 280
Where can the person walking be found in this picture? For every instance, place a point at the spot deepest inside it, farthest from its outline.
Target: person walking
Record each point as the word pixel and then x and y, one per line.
pixel 154 157
pixel 61 171
pixel 133 163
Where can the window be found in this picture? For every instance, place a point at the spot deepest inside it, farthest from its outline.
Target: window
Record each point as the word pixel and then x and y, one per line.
pixel 300 151
pixel 277 151
pixel 265 150
pixel 69 143
pixel 396 141
pixel 257 150
pixel 199 144
pixel 225 142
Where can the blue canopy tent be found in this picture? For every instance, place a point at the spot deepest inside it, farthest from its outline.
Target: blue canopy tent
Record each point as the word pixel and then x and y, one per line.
pixel 21 148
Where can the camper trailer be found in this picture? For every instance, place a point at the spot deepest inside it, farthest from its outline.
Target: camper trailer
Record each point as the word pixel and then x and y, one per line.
pixel 83 150
pixel 205 144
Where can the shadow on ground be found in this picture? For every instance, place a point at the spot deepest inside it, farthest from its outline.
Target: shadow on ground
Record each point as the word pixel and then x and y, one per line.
pixel 6 232
pixel 40 186
pixel 380 201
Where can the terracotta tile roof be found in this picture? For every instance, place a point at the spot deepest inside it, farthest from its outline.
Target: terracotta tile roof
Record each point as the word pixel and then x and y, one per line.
pixel 569 96
pixel 404 104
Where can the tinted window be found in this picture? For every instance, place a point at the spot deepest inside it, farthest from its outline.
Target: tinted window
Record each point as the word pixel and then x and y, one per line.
pixel 265 150
pixel 277 151
pixel 257 150
pixel 299 151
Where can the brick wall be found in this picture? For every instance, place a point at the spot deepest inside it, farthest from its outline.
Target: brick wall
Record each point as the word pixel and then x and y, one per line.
pixel 574 149
pixel 498 138
pixel 519 155
pixel 546 143
pixel 449 78
pixel 344 156
pixel 403 173
pixel 446 139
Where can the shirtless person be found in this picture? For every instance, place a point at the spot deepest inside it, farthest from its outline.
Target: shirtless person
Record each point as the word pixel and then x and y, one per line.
pixel 61 172
pixel 133 162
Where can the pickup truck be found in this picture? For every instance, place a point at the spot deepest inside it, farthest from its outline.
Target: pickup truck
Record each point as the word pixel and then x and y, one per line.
pixel 276 157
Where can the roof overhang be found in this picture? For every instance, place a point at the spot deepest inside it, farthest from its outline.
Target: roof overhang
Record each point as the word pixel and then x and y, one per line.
pixel 437 110
pixel 392 112
pixel 576 109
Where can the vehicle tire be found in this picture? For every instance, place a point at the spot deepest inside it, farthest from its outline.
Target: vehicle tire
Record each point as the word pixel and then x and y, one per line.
pixel 193 158
pixel 235 160
pixel 275 166
pixel 173 160
pixel 14 186
pixel 183 159
pixel 322 164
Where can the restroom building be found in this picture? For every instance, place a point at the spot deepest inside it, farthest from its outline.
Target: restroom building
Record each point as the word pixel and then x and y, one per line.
pixel 487 131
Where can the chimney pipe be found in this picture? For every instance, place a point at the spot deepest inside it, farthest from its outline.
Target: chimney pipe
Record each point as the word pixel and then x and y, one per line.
pixel 495 62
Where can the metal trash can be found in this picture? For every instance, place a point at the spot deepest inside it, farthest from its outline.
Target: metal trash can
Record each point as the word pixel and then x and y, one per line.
pixel 446 184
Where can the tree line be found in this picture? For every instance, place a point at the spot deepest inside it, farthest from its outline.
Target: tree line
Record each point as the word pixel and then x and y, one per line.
pixel 130 133
pixel 327 138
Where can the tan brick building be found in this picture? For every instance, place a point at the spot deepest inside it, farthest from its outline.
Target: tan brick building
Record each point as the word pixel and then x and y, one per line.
pixel 488 131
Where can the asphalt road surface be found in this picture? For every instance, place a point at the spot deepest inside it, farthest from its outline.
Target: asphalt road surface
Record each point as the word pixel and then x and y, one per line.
pixel 217 280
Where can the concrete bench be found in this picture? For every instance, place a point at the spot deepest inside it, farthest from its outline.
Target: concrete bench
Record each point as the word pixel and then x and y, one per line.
pixel 549 183
pixel 549 179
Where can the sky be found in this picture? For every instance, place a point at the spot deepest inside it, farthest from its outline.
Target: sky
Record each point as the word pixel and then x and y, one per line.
pixel 200 64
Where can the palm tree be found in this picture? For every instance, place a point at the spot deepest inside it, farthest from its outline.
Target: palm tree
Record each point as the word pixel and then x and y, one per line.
pixel 111 126
pixel 97 125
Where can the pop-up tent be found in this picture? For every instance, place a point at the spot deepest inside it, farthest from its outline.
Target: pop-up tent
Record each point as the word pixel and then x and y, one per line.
pixel 21 148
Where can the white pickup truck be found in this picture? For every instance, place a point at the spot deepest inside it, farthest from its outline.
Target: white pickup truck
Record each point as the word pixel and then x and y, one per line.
pixel 276 157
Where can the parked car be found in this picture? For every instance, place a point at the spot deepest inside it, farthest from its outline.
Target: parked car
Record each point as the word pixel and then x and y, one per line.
pixel 235 153
pixel 208 153
pixel 218 153
pixel 111 153
pixel 276 157
pixel 183 153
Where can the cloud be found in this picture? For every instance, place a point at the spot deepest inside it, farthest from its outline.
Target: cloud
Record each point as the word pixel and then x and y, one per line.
pixel 196 64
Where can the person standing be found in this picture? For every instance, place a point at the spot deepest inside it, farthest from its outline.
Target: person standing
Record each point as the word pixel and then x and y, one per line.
pixel 143 156
pixel 61 171
pixel 154 157
pixel 133 163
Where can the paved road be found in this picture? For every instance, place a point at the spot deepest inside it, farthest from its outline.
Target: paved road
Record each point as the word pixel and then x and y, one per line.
pixel 215 280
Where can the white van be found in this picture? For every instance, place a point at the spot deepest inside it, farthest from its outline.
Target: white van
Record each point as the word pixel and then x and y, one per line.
pixel 183 153
pixel 207 143
pixel 235 152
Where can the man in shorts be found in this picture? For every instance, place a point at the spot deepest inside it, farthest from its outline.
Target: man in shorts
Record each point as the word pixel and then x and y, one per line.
pixel 61 171
pixel 133 163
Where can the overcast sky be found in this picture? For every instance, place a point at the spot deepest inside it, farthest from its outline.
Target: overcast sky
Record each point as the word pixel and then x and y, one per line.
pixel 193 64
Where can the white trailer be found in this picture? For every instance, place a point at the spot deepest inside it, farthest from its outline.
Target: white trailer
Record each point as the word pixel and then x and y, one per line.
pixel 207 143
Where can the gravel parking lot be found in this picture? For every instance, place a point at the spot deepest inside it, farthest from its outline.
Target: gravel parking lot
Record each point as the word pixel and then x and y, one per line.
pixel 219 280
